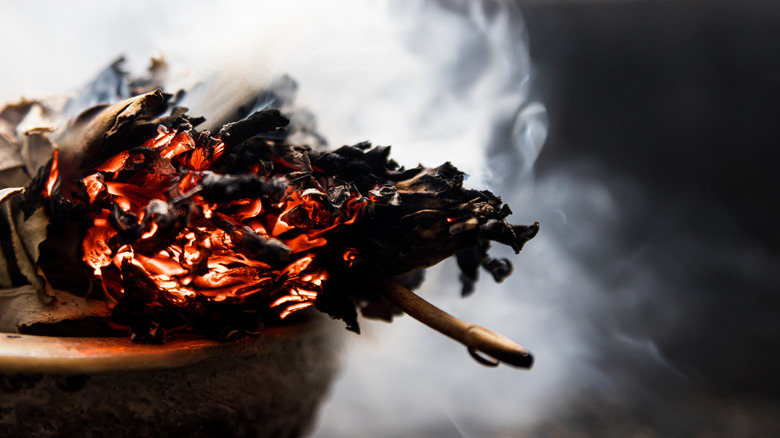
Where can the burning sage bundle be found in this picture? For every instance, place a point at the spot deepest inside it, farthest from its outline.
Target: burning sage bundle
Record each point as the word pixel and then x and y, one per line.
pixel 137 222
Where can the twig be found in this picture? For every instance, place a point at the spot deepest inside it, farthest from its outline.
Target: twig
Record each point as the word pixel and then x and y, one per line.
pixel 477 339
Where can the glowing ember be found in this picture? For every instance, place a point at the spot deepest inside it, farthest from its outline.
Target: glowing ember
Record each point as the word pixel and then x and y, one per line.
pixel 53 176
pixel 162 219
pixel 179 228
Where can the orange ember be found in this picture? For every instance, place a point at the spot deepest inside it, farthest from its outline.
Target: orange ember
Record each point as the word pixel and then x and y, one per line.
pixel 54 175
pixel 211 251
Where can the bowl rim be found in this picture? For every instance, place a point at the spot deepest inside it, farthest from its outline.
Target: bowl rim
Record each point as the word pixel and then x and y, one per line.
pixel 33 354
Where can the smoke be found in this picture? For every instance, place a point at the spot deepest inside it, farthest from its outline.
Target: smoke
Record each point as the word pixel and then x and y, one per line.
pixel 609 296
pixel 413 74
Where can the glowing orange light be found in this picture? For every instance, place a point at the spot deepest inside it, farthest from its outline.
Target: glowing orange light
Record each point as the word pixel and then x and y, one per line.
pixel 294 308
pixel 350 256
pixel 211 254
pixel 54 174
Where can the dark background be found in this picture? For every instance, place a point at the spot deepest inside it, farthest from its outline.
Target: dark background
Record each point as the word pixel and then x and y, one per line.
pixel 677 102
pixel 681 94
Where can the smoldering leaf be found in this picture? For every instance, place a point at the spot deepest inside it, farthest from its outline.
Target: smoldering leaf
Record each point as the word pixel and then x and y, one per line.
pixel 261 121
pixel 380 308
pixel 178 121
pixel 164 221
pixel 60 260
pixel 12 171
pixel 8 192
pixel 14 177
pixel 500 269
pixel 339 305
pixel 141 296
pixel 32 232
pixel 469 260
pixel 386 195
pixel 24 308
pixel 103 131
pixel 514 236
pixel 319 213
pixel 339 194
pixel 126 223
pixel 36 149
pixel 9 155
pixel 271 250
pixel 12 115
pixel 224 188
pixel 440 180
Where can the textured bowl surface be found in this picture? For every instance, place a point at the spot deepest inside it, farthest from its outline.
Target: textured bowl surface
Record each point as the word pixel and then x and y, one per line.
pixel 55 355
pixel 266 386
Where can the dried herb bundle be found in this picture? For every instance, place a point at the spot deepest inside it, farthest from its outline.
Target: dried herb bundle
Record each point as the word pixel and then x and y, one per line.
pixel 142 223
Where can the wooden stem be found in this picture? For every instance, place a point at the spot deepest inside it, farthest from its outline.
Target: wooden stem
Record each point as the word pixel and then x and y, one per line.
pixel 477 339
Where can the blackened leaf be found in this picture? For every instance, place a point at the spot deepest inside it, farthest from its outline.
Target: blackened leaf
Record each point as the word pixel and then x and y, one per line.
pixel 101 132
pixel 469 260
pixel 271 251
pixel 261 121
pixel 224 188
pixel 142 300
pixel 36 149
pixel 338 305
pixel 500 269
